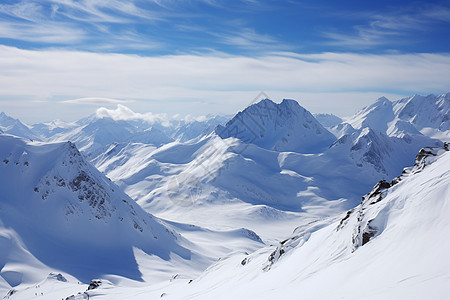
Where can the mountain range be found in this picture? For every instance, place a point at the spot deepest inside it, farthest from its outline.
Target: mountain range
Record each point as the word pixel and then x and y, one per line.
pixel 267 202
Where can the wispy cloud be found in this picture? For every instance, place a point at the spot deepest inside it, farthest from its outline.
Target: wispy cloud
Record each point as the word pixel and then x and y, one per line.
pixel 95 101
pixel 116 25
pixel 388 28
pixel 42 33
pixel 247 37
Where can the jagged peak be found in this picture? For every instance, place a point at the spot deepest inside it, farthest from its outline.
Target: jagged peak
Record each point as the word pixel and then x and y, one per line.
pixel 383 99
pixel 286 126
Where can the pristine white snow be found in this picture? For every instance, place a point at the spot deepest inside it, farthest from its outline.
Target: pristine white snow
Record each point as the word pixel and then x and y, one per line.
pixel 281 127
pixel 249 209
pixel 427 114
pixel 15 127
pixel 405 257
pixel 59 214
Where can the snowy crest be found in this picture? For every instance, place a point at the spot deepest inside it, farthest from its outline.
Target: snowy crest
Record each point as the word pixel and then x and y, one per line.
pixel 281 127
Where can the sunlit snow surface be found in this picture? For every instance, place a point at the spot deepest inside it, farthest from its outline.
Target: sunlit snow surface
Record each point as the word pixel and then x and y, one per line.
pixel 405 258
pixel 264 206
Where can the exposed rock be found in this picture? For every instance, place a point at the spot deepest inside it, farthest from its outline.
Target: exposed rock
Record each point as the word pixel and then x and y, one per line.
pixel 95 283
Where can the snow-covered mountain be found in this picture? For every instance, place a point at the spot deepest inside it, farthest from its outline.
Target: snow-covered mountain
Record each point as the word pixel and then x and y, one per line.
pixel 427 114
pixel 15 127
pixel 386 134
pixel 390 246
pixel 93 137
pixel 58 209
pixel 425 111
pixel 281 127
pixel 189 181
pixel 385 154
pixel 49 129
pixel 217 196
pixel 328 120
pixel 58 214
pixel 188 130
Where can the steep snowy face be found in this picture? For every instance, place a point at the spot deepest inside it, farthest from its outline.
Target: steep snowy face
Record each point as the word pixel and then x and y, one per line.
pixel 385 154
pixel 70 216
pixel 430 111
pixel 369 219
pixel 375 116
pixel 15 127
pixel 186 131
pixel 281 127
pixel 427 114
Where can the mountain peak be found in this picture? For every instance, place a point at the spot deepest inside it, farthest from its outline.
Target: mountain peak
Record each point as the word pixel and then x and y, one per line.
pixel 383 99
pixel 286 126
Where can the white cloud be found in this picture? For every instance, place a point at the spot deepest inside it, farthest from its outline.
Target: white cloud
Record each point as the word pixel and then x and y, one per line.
pixel 124 113
pixel 248 37
pixel 95 101
pixel 200 84
pixel 41 32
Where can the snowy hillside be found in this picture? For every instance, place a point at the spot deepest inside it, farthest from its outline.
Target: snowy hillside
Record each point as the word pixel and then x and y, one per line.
pixel 391 246
pixel 59 214
pixel 281 127
pixel 56 208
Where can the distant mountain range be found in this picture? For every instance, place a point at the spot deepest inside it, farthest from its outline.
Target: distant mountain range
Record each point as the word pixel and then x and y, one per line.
pixel 146 200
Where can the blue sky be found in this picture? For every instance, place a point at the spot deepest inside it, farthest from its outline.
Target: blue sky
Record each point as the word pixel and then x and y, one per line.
pixel 246 27
pixel 217 41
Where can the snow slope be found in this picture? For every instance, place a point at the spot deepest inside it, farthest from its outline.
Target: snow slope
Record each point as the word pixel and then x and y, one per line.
pixel 391 246
pixel 58 214
pixel 57 209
